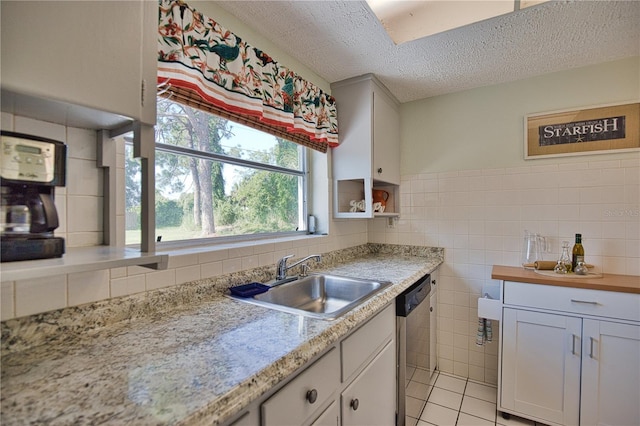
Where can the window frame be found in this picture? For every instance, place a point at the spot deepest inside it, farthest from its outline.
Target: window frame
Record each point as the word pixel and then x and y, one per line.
pixel 303 193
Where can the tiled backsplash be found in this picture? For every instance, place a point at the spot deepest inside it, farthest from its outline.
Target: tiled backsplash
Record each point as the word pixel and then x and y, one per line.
pixel 479 217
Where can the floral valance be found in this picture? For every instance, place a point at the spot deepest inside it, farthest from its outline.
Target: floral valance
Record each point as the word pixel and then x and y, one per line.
pixel 204 64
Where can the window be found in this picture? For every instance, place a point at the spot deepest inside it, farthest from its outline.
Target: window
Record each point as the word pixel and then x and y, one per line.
pixel 216 178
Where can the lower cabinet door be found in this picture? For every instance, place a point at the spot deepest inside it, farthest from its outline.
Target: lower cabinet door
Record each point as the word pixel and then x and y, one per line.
pixel 541 366
pixel 330 416
pixel 371 398
pixel 301 399
pixel 610 374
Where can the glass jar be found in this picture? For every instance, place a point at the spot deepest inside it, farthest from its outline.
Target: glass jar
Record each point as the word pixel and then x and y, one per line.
pixel 581 269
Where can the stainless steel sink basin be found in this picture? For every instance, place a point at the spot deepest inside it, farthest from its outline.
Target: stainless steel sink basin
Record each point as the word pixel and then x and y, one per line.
pixel 318 295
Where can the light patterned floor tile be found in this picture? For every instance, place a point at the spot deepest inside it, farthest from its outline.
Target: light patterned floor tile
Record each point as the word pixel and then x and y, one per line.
pixel 465 419
pixel 414 407
pixel 451 383
pixel 446 398
pixel 438 415
pixel 422 376
pixel 483 392
pixel 418 390
pixel 479 408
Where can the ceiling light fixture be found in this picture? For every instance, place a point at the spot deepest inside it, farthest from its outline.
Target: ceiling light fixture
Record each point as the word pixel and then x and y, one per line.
pixel 410 20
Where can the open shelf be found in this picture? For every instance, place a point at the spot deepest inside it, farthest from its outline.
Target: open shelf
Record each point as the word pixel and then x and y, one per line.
pixel 347 191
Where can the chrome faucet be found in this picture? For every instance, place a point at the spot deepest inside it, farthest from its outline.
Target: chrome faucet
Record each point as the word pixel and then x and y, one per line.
pixel 282 267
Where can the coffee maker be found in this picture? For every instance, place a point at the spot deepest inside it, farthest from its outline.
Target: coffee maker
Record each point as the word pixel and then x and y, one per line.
pixel 30 169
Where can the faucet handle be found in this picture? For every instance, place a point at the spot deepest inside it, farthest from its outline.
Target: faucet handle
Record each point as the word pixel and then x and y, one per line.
pixel 283 260
pixel 281 269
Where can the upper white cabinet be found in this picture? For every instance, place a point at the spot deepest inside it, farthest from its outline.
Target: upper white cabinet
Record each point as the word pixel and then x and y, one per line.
pixel 368 156
pixel 93 55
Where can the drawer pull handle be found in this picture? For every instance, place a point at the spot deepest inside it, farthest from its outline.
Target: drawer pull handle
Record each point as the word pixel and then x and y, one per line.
pixel 312 396
pixel 584 301
pixel 355 404
pixel 591 340
pixel 573 344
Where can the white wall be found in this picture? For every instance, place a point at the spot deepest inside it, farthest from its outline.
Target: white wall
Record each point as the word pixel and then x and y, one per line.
pixel 466 187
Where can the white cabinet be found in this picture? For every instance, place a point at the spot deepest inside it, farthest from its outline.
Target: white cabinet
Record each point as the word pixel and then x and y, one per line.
pixel 369 152
pixel 361 367
pixel 577 365
pixel 304 395
pixel 610 373
pixel 371 398
pixel 330 416
pixel 541 366
pixel 95 54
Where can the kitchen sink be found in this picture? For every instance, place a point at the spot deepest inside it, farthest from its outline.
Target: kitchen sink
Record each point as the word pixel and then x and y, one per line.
pixel 317 295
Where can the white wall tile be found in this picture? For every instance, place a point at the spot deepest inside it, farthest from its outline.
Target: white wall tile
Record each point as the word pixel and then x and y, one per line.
pixel 6 121
pixel 127 285
pixel 161 279
pixel 84 178
pixel 6 300
pixel 82 144
pixel 84 239
pixel 187 274
pixel 231 265
pixel 43 129
pixel 179 261
pixel 85 215
pixel 210 269
pixel 40 295
pixel 85 287
pixel 118 272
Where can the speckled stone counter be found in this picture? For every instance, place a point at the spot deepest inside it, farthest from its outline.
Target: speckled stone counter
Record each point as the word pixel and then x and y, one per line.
pixel 184 355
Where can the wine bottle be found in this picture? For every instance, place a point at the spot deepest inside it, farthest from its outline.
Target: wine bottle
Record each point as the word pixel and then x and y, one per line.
pixel 577 253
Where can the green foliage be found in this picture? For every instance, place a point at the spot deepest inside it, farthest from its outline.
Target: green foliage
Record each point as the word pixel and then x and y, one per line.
pixel 131 179
pixel 268 201
pixel 227 211
pixel 168 213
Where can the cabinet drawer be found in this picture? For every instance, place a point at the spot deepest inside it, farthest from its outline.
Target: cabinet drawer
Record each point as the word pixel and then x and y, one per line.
pixel 362 344
pixel 610 304
pixel 290 405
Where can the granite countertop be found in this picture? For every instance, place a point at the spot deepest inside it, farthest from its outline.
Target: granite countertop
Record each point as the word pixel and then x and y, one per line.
pixel 606 282
pixel 189 358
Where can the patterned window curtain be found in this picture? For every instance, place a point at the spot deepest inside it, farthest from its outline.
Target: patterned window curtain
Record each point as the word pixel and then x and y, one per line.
pixel 204 65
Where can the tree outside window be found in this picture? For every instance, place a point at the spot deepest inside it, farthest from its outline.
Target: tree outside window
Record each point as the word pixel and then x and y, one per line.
pixel 216 178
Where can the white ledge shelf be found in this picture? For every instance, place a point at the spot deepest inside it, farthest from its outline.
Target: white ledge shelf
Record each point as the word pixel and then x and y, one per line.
pixel 82 259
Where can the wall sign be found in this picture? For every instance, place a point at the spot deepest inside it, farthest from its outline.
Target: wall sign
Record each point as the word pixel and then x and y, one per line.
pixel 604 129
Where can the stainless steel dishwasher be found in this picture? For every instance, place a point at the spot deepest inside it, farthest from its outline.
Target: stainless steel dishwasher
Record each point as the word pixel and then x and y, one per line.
pixel 413 326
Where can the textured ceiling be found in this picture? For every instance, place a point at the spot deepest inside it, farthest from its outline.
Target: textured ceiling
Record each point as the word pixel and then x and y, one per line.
pixel 343 39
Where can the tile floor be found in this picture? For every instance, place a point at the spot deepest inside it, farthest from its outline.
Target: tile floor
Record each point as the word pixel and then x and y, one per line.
pixel 446 400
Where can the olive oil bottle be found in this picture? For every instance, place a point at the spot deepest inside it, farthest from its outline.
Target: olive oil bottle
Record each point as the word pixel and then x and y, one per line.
pixel 577 253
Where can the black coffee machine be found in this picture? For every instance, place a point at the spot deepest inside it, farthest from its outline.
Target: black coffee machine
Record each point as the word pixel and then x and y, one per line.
pixel 30 169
